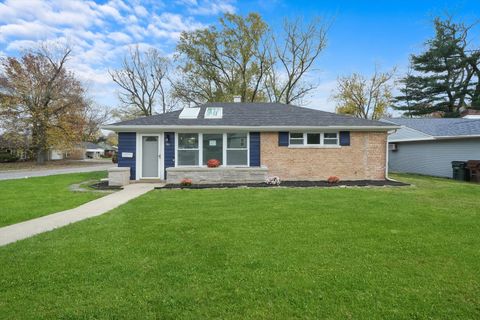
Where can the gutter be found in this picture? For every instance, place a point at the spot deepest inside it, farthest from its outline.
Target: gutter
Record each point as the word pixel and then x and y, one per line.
pixel 432 138
pixel 135 128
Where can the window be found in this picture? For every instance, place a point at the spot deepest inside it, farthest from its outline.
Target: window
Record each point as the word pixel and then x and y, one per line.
pixel 237 149
pixel 195 149
pixel 212 147
pixel 188 151
pixel 330 138
pixel 314 139
pixel 296 138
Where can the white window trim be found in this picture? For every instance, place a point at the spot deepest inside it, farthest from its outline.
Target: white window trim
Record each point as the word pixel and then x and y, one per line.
pixel 224 150
pixel 321 145
pixel 233 149
pixel 199 149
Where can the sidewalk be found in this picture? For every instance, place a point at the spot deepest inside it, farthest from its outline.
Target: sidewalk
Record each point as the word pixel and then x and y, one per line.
pixel 93 208
pixel 20 174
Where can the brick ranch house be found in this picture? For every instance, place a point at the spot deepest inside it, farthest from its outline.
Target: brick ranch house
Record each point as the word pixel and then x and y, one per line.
pixel 252 141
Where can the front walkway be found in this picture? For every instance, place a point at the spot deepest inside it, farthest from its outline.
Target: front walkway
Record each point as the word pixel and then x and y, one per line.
pixel 93 208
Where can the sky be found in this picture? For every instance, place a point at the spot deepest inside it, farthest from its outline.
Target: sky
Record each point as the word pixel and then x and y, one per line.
pixel 362 34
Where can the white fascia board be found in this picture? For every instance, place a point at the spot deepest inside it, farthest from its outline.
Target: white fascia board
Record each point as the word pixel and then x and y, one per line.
pixel 138 128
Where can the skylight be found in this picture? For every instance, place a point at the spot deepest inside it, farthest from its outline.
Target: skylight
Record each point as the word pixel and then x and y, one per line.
pixel 213 113
pixel 189 113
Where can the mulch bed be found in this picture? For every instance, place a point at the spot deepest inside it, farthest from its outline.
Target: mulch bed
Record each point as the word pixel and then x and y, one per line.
pixel 292 184
pixel 103 185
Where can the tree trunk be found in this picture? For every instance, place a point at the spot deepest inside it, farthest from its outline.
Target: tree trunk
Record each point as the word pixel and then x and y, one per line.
pixel 41 145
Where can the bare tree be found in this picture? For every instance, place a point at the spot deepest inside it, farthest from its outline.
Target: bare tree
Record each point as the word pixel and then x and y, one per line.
pixel 294 52
pixel 94 117
pixel 143 81
pixel 364 97
pixel 45 95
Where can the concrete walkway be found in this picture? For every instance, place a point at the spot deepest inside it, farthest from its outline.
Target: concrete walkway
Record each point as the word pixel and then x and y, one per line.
pixel 90 209
pixel 20 174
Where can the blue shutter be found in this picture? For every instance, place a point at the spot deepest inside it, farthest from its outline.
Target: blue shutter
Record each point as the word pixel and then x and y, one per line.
pixel 169 152
pixel 344 138
pixel 254 149
pixel 283 139
pixel 127 142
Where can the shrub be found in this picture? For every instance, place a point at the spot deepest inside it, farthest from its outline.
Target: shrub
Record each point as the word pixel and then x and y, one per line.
pixel 115 158
pixel 333 179
pixel 186 182
pixel 8 157
pixel 213 163
pixel 274 181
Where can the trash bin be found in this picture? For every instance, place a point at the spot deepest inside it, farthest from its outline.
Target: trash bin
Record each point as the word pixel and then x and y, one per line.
pixel 459 170
pixel 474 170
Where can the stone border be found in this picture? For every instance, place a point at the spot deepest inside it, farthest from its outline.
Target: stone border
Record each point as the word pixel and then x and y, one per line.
pixel 294 184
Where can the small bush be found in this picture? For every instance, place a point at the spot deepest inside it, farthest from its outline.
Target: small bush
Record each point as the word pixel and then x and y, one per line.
pixel 274 181
pixel 186 182
pixel 213 163
pixel 8 157
pixel 115 158
pixel 333 179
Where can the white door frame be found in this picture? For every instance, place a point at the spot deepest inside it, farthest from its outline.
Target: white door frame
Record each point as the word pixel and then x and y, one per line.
pixel 161 169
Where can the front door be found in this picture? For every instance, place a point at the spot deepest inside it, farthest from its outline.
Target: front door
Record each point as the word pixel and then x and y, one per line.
pixel 151 156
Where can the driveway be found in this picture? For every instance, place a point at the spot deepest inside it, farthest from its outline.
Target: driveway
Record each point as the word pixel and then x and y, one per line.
pixel 20 174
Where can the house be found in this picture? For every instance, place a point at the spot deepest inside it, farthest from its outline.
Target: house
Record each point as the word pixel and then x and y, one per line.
pixel 92 150
pixel 429 145
pixel 252 141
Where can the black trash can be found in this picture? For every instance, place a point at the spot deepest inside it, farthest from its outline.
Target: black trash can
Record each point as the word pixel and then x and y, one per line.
pixel 459 170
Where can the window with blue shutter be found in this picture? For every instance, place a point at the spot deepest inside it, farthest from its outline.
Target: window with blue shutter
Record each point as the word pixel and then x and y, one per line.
pixel 254 149
pixel 344 138
pixel 169 151
pixel 283 139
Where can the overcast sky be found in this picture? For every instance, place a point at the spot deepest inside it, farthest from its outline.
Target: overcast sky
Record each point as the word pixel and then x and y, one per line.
pixel 362 34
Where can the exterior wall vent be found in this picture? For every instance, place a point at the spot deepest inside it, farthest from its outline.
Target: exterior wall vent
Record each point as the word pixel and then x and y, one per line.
pixel 237 99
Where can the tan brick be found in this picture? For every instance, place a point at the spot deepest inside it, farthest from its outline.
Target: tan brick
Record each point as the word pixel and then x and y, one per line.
pixel 365 158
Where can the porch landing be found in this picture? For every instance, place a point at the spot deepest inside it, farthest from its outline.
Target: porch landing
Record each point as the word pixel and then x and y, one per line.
pixel 201 175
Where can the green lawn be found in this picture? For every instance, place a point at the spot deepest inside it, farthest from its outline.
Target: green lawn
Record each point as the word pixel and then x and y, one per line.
pixel 24 199
pixel 357 253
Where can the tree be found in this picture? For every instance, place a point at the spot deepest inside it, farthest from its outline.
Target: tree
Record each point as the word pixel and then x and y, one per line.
pixel 242 56
pixel 364 97
pixel 219 63
pixel 46 96
pixel 94 116
pixel 143 81
pixel 295 50
pixel 444 78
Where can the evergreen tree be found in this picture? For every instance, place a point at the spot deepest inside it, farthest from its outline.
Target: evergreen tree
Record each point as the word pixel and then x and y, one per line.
pixel 444 78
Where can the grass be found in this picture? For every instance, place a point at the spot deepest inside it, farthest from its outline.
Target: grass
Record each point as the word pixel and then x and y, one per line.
pixel 357 253
pixel 24 199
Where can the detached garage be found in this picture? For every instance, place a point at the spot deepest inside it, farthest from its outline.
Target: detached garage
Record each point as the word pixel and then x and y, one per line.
pixel 429 145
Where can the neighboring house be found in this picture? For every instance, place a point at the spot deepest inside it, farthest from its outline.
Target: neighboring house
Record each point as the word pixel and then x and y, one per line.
pixel 56 154
pixel 252 140
pixel 93 151
pixel 429 145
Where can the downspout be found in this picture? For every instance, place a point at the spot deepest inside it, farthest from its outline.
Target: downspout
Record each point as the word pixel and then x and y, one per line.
pixel 386 157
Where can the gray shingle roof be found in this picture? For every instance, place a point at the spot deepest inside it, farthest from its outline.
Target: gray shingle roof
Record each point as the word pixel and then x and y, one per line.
pixel 256 115
pixel 441 127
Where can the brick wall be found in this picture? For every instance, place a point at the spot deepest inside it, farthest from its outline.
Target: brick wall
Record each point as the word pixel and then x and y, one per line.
pixel 365 158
